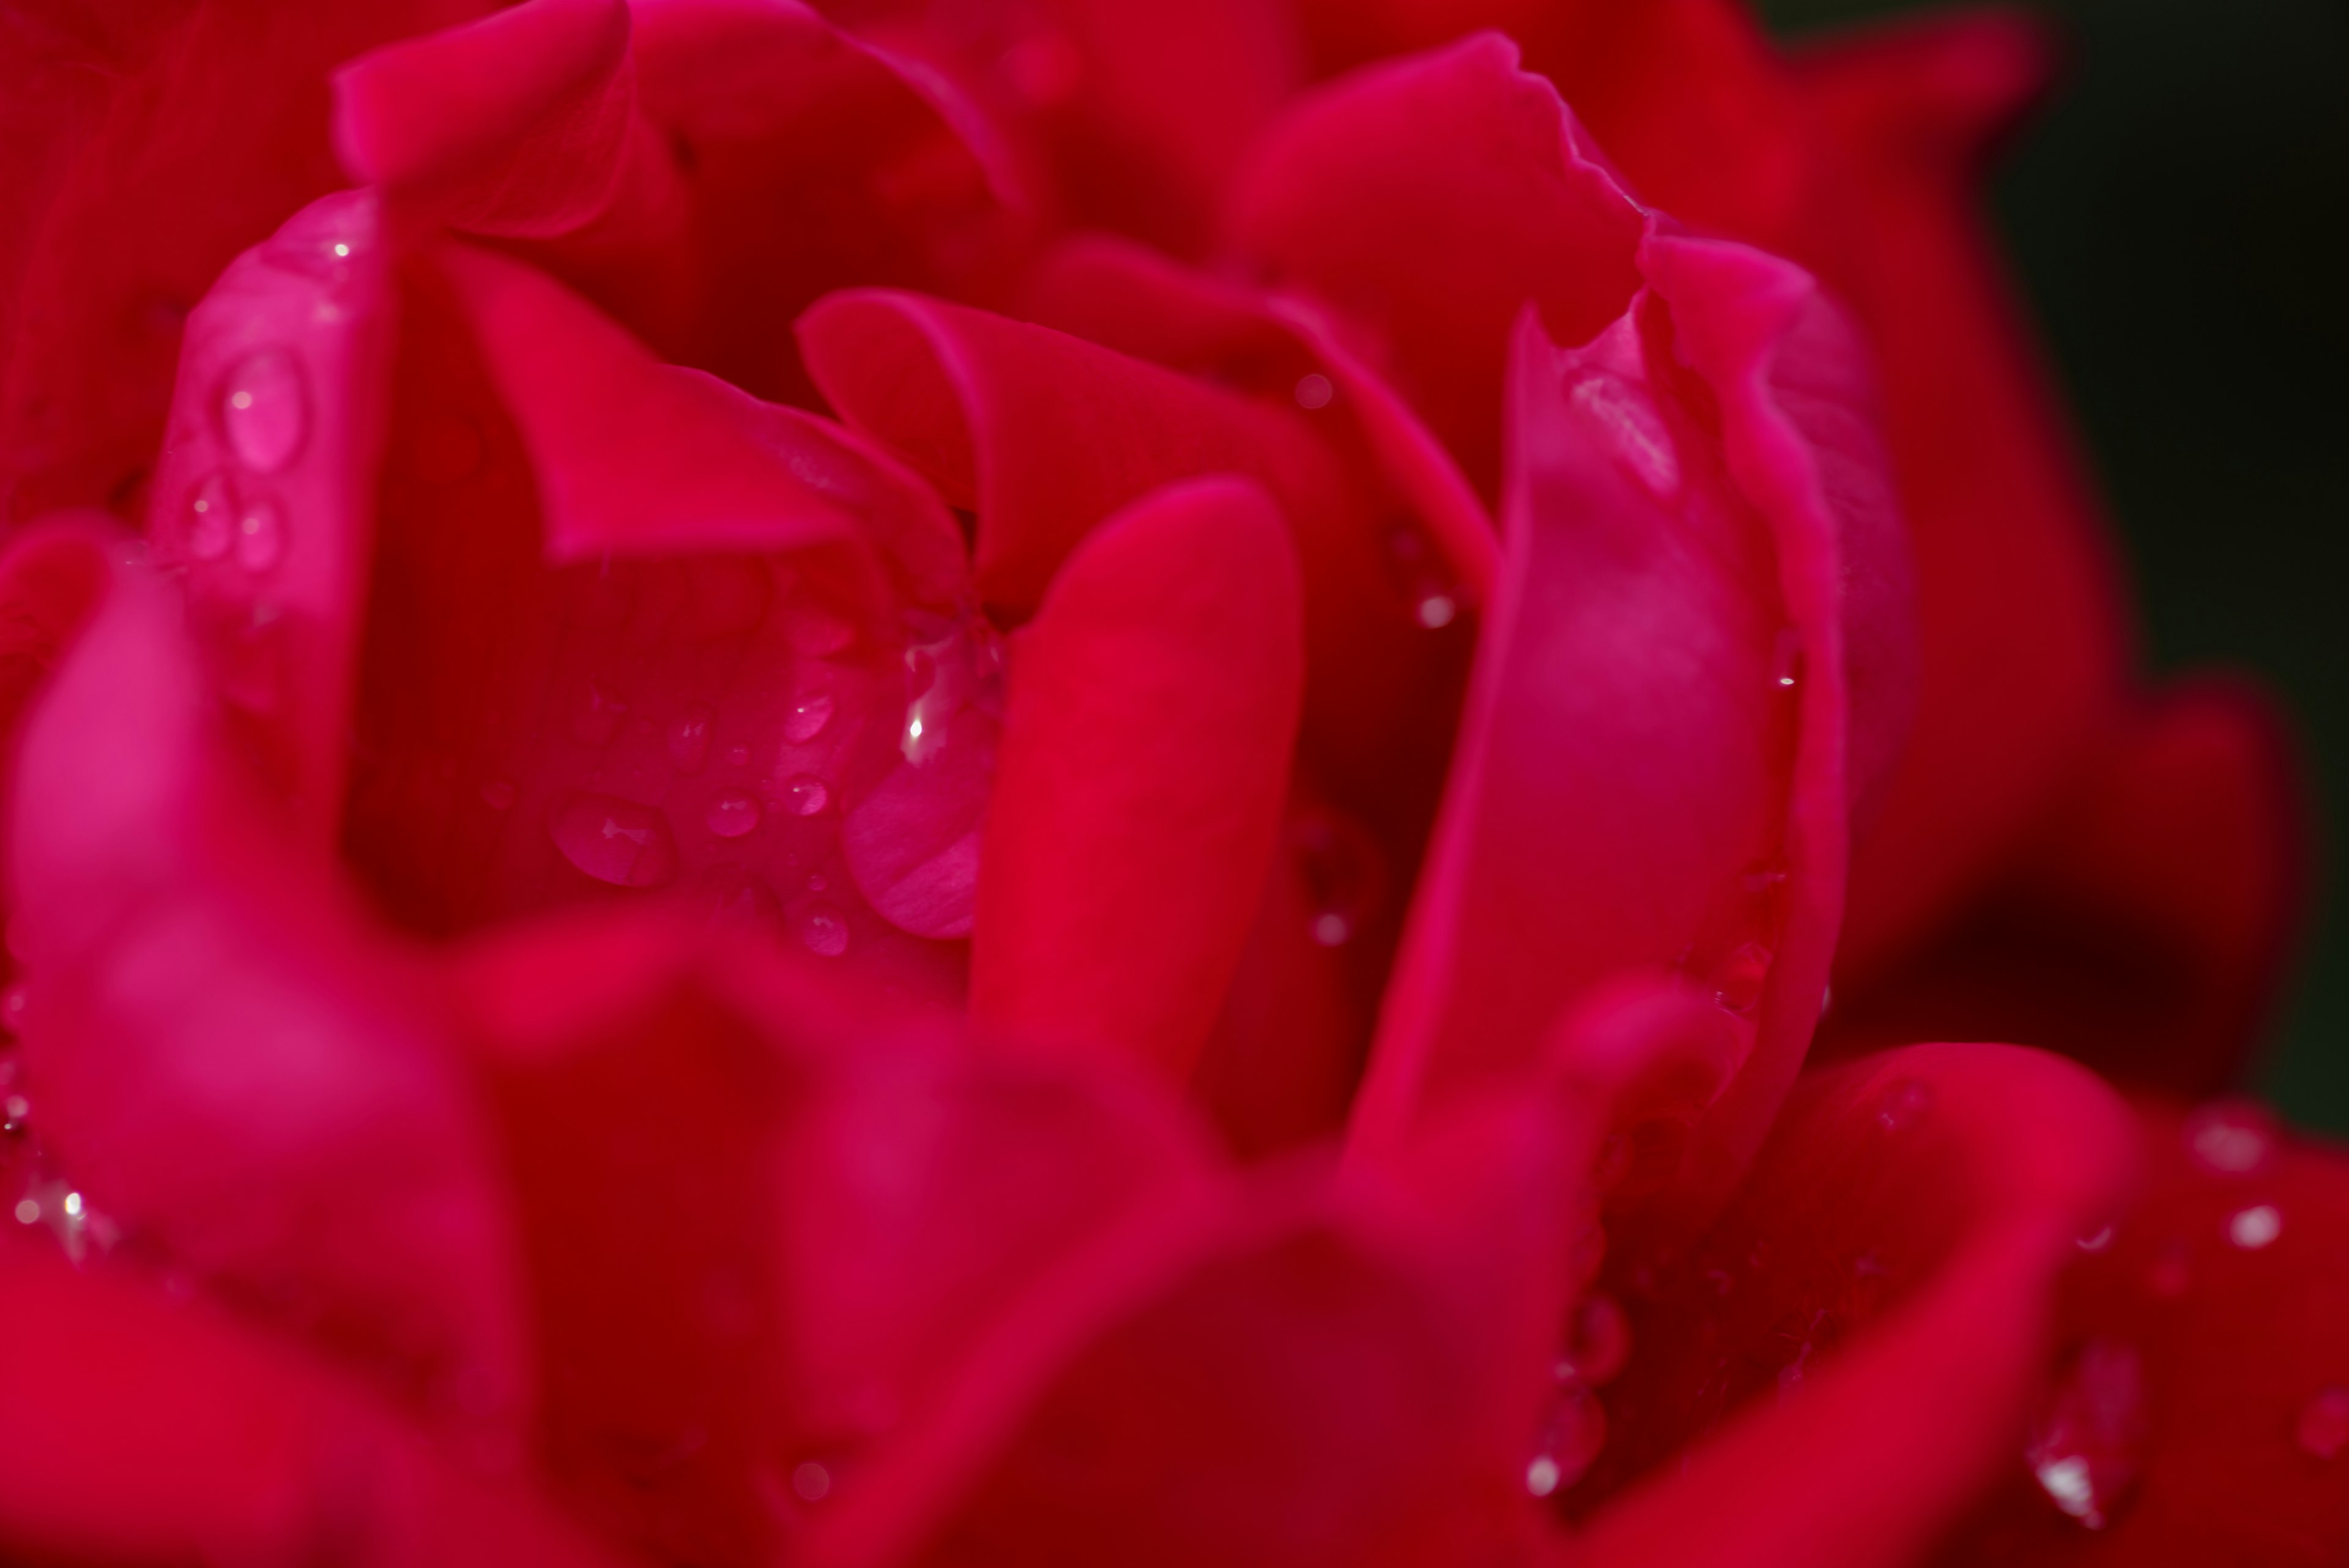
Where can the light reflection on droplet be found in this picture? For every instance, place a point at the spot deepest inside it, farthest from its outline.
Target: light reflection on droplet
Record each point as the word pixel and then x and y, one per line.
pixel 212 518
pixel 2096 1241
pixel 265 410
pixel 618 841
pixel 808 717
pixel 260 535
pixel 1572 1436
pixel 2254 1228
pixel 805 795
pixel 28 1212
pixel 2088 1444
pixel 2230 1137
pixel 822 928
pixel 1904 1103
pixel 731 814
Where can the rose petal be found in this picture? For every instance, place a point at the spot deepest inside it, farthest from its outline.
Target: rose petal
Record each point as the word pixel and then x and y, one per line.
pixel 1152 712
pixel 141 1431
pixel 214 133
pixel 217 1056
pixel 517 124
pixel 1429 198
pixel 1918 1205
pixel 2225 1283
pixel 264 495
pixel 2143 925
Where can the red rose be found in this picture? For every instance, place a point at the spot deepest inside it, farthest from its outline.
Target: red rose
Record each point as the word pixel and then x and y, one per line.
pixel 1075 782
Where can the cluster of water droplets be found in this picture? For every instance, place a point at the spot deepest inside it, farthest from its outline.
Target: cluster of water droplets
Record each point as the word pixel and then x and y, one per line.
pixel 1598 1343
pixel 46 1198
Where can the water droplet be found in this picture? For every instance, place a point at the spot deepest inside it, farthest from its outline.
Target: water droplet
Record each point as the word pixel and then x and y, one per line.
pixel 1642 442
pixel 1742 976
pixel 597 717
pixel 19 1111
pixel 808 717
pixel 822 928
pixel 265 410
pixel 2254 1228
pixel 28 1212
pixel 2089 1441
pixel 812 628
pixel 212 517
pixel 1787 660
pixel 731 814
pixel 1598 1342
pixel 2230 1137
pixel 2322 1429
pixel 1342 870
pixel 496 794
pixel 260 535
pixel 1314 391
pixel 1570 1440
pixel 1424 578
pixel 688 740
pixel 805 795
pixel 811 1482
pixel 12 1003
pixel 738 756
pixel 2096 1242
pixel 1903 1105
pixel 615 841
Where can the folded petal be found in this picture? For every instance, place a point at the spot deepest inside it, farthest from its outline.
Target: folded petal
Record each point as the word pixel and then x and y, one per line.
pixel 1653 771
pixel 1864 1325
pixel 221 1061
pixel 2221 1293
pixel 214 133
pixel 517 124
pixel 143 1429
pixel 2143 924
pixel 633 629
pixel 1429 199
pixel 1151 712
pixel 264 491
pixel 1044 435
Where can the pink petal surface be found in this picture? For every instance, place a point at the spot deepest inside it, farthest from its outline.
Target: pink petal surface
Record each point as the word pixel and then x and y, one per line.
pixel 1867 1322
pixel 144 1430
pixel 265 493
pixel 189 133
pixel 1598 839
pixel 520 123
pixel 222 1059
pixel 1150 713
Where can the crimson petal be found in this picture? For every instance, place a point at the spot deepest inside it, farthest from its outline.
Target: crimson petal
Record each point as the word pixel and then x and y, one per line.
pixel 1152 712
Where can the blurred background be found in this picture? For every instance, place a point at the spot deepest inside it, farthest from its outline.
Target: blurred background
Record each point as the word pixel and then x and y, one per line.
pixel 2178 218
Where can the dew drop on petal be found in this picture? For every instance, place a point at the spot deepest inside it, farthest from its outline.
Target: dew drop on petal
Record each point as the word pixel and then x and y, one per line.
pixel 1573 1432
pixel 1342 873
pixel 2097 1241
pixel 260 535
pixel 688 740
pixel 265 410
pixel 211 518
pixel 1599 1341
pixel 1744 973
pixel 2088 1443
pixel 1787 660
pixel 496 794
pixel 811 1482
pixel 2230 1137
pixel 1903 1105
pixel 822 930
pixel 804 796
pixel 2254 1228
pixel 738 756
pixel 731 814
pixel 615 841
pixel 12 1003
pixel 2322 1429
pixel 1314 391
pixel 808 717
pixel 1424 578
pixel 18 1113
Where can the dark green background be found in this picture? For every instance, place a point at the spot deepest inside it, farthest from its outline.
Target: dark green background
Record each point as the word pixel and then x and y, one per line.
pixel 2180 218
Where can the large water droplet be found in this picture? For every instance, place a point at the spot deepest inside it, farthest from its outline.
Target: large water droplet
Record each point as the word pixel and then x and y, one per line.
pixel 688 740
pixel 264 411
pixel 1314 390
pixel 2230 1137
pixel 2089 1443
pixel 211 518
pixel 1570 1440
pixel 260 535
pixel 822 930
pixel 2322 1429
pixel 1904 1103
pixel 615 841
pixel 1744 974
pixel 1342 873
pixel 804 796
pixel 2256 1227
pixel 731 814
pixel 808 717
pixel 1598 1343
